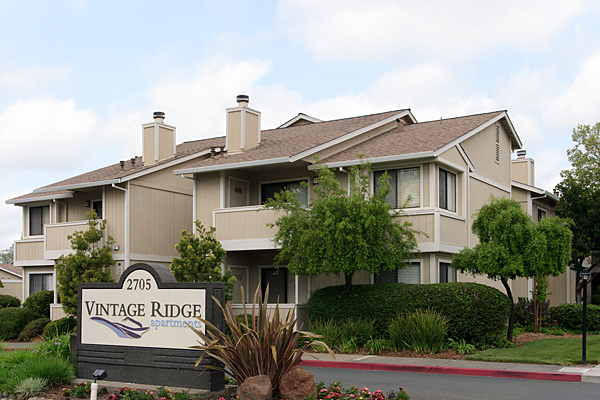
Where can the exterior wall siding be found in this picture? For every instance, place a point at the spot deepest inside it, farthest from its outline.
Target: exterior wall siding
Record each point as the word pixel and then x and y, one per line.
pixel 245 223
pixel 424 223
pixel 453 231
pixel 29 250
pixel 14 289
pixel 115 213
pixel 481 150
pixel 480 195
pixel 207 196
pixel 56 236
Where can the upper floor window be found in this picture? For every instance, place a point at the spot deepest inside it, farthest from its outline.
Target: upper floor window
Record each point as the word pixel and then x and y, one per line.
pixel 97 206
pixel 38 216
pixel 268 190
pixel 406 187
pixel 447 190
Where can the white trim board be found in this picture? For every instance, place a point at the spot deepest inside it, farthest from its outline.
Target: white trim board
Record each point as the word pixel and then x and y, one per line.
pixel 41 198
pixel 490 182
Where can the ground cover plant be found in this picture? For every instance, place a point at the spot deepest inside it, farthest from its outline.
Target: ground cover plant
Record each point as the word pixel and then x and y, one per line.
pixel 476 313
pixel 558 351
pixel 336 391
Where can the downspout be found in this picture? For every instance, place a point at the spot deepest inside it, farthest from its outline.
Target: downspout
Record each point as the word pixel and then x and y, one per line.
pixel 127 227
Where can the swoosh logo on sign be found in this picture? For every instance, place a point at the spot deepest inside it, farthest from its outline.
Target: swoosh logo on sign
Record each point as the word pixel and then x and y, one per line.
pixel 122 330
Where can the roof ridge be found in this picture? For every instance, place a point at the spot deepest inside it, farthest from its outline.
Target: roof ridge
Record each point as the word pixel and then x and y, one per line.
pixel 462 116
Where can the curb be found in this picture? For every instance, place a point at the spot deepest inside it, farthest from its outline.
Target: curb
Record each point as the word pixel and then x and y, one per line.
pixel 494 373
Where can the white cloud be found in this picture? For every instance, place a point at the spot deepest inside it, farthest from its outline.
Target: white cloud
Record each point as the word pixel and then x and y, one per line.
pixel 45 132
pixel 378 29
pixel 32 77
pixel 548 165
pixel 10 228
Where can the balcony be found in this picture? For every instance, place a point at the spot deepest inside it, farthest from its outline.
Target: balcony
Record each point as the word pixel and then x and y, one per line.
pixel 29 250
pixel 245 228
pixel 55 239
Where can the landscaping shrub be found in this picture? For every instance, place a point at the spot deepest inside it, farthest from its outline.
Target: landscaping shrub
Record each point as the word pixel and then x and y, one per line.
pixel 524 311
pixel 33 329
pixel 60 327
pixel 58 346
pixel 570 317
pixel 422 331
pixel 53 369
pixel 361 330
pixel 39 303
pixel 329 331
pixel 474 312
pixel 7 300
pixel 13 320
pixel 29 387
pixel 595 298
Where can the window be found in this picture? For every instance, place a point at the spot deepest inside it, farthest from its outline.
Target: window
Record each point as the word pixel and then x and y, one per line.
pixel 38 216
pixel 278 280
pixel 97 206
pixel 39 282
pixel 447 190
pixel 268 190
pixel 411 274
pixel 406 187
pixel 447 273
pixel 541 214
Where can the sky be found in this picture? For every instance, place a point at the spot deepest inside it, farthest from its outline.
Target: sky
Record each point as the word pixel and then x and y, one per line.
pixel 78 78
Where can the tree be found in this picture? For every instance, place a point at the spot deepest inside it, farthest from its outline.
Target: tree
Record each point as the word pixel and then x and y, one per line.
pixel 7 255
pixel 580 193
pixel 89 263
pixel 512 246
pixel 339 232
pixel 201 258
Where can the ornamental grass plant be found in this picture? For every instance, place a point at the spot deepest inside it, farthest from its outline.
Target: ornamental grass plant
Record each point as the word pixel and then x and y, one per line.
pixel 423 331
pixel 260 345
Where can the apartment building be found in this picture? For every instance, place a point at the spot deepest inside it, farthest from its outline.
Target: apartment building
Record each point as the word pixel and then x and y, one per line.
pixel 448 168
pixel 145 205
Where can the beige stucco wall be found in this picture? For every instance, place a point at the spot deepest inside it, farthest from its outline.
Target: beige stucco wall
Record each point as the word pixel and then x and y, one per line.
pixel 481 150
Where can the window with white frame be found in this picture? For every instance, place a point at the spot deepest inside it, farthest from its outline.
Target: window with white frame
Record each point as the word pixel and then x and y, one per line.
pixel 447 190
pixel 541 214
pixel 410 274
pixel 39 282
pixel 406 187
pixel 447 273
pixel 38 216
pixel 268 190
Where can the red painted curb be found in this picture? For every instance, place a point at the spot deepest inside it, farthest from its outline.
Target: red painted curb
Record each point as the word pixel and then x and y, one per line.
pixel 495 373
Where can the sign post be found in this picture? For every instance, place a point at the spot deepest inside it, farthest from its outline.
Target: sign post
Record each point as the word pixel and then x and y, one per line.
pixel 137 329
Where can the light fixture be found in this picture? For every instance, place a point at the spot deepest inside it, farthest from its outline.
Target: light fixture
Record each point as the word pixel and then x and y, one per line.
pixel 315 180
pixel 98 374
pixel 86 204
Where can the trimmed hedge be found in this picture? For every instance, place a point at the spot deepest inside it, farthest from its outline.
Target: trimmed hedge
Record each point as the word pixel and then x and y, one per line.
pixel 33 329
pixel 475 312
pixel 570 317
pixel 39 303
pixel 7 300
pixel 13 320
pixel 60 327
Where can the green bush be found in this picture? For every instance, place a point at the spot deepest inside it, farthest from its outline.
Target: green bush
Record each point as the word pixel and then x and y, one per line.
pixel 361 330
pixel 59 327
pixel 39 303
pixel 474 312
pixel 13 320
pixel 33 329
pixel 53 369
pixel 570 316
pixel 422 331
pixel 7 300
pixel 29 387
pixel 59 346
pixel 329 331
pixel 595 299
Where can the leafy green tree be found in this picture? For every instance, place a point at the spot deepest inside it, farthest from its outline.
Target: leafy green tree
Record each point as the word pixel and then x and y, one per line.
pixel 512 246
pixel 90 262
pixel 201 257
pixel 7 255
pixel 339 232
pixel 580 192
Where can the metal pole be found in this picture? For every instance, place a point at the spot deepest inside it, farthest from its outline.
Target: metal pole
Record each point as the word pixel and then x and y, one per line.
pixel 583 360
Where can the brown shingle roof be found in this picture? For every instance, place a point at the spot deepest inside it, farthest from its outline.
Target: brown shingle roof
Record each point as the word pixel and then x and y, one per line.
pixel 12 268
pixel 286 142
pixel 416 138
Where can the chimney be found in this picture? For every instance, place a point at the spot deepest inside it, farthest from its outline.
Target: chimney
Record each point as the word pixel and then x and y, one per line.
pixel 158 140
pixel 400 127
pixel 521 153
pixel 122 165
pixel 243 126
pixel 523 169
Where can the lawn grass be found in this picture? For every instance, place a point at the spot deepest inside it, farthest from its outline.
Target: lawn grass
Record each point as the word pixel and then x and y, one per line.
pixel 557 351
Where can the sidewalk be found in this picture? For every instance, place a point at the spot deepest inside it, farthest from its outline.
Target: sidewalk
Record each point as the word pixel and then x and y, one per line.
pixel 590 374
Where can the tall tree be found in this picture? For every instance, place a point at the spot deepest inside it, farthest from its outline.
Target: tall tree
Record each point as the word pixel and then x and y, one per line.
pixel 7 255
pixel 342 233
pixel 201 257
pixel 90 262
pixel 580 192
pixel 512 246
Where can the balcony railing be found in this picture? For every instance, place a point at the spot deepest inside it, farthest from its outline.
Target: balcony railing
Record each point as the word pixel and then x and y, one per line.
pixel 240 227
pixel 55 238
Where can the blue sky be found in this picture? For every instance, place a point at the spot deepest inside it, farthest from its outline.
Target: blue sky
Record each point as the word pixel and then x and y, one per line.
pixel 78 78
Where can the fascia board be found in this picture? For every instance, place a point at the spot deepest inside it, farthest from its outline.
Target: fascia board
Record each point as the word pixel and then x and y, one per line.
pixel 374 160
pixel 513 131
pixel 77 186
pixel 150 124
pixel 163 166
pixel 528 187
pixel 470 133
pixel 224 167
pixel 466 158
pixel 347 136
pixel 297 118
pixel 11 272
pixel 42 198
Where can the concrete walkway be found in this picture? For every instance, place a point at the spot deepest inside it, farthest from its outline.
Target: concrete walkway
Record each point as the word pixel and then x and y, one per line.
pixel 589 374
